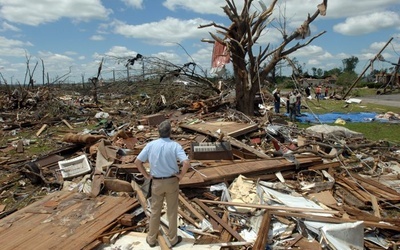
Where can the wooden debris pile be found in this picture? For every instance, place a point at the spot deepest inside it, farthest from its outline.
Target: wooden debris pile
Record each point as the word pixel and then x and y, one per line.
pixel 254 183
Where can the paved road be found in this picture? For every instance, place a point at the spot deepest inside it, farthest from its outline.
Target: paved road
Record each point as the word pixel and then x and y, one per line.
pixel 392 100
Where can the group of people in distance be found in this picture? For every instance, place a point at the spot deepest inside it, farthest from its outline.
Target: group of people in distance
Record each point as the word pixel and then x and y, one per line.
pixel 293 101
pixel 318 92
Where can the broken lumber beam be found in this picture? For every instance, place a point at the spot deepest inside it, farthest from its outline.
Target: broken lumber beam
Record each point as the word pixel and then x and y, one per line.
pixel 377 224
pixel 67 124
pixel 225 235
pixel 188 218
pixel 379 190
pixel 44 126
pixel 190 207
pixel 240 144
pixel 262 235
pixel 261 206
pixel 140 197
pixel 212 214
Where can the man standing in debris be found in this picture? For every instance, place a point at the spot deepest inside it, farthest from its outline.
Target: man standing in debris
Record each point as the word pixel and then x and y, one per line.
pixel 292 106
pixel 277 100
pixel 298 103
pixel 308 91
pixel 318 91
pixel 162 155
pixel 326 91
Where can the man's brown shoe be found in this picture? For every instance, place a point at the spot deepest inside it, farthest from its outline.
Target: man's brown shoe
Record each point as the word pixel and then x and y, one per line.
pixel 178 241
pixel 151 245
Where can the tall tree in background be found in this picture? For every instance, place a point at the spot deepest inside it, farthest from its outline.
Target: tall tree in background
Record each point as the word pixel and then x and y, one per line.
pixel 350 64
pixel 241 38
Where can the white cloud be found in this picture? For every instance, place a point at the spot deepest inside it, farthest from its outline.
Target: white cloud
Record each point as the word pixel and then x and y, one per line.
pixel 6 26
pixel 13 48
pixel 164 32
pixel 169 56
pixel 346 8
pixel 137 4
pixel 388 56
pixel 38 12
pixel 203 55
pixel 137 27
pixel 309 51
pixel 97 38
pixel 312 62
pixel 12 52
pixel 8 43
pixel 120 51
pixel 365 24
pixel 202 7
pixel 343 56
pixel 70 53
pixel 294 13
pixel 54 58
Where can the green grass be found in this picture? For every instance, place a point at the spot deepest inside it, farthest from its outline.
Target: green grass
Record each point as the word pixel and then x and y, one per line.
pixel 328 106
pixel 377 131
pixel 374 131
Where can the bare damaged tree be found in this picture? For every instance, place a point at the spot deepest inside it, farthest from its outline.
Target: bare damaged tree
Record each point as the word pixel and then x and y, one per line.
pixel 167 72
pixel 5 84
pixel 95 81
pixel 29 73
pixel 61 78
pixel 241 38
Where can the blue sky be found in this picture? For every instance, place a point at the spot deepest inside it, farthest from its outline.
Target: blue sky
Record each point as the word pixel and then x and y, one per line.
pixel 77 34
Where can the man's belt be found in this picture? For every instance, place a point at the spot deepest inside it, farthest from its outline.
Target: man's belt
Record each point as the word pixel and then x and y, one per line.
pixel 162 178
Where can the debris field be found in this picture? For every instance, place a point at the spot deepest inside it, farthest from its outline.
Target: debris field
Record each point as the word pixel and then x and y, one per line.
pixel 256 182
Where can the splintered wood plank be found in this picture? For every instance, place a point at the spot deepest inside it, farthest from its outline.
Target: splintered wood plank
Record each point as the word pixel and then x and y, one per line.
pixel 233 129
pixel 13 224
pixel 229 172
pixel 192 178
pixel 378 189
pixel 262 236
pixel 213 215
pixel 75 222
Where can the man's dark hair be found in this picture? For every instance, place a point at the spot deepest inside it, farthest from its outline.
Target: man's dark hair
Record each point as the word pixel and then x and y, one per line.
pixel 164 129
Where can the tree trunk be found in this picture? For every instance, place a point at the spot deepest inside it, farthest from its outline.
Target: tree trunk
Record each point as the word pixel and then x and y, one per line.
pixel 245 92
pixel 242 35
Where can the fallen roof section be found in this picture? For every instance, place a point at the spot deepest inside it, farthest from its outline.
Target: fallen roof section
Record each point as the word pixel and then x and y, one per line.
pixel 62 220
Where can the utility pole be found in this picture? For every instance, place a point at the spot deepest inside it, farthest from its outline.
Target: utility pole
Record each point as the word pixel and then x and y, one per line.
pixel 366 68
pixel 143 68
pixel 83 80
pixel 127 72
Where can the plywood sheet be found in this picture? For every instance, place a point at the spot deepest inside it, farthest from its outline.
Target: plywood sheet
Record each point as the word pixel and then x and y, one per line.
pixel 62 220
pixel 233 129
pixel 229 172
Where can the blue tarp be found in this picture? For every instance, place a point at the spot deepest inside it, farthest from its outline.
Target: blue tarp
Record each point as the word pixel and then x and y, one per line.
pixel 332 117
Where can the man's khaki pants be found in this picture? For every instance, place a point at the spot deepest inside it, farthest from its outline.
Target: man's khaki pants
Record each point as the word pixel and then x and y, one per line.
pixel 168 188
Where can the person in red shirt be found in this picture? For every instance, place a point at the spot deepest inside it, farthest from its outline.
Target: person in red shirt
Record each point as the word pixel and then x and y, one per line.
pixel 318 90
